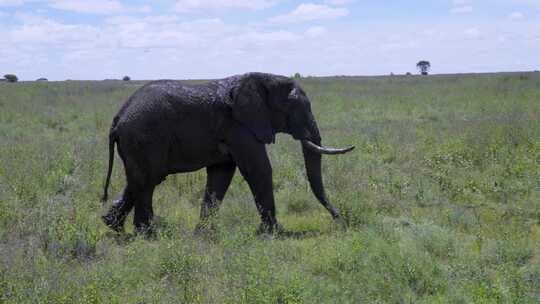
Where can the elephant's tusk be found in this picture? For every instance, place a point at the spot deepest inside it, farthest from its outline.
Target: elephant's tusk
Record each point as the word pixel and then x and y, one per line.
pixel 325 150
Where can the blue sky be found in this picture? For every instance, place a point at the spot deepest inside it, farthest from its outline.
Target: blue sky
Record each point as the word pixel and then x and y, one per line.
pixel 99 39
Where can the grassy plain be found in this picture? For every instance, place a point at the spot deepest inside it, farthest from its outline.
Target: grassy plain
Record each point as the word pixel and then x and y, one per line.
pixel 442 196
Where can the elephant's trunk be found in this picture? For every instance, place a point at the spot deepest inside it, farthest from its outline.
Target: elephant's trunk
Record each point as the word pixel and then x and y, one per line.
pixel 312 151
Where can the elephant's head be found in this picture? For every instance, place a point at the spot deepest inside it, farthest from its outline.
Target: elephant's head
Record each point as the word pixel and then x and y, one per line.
pixel 268 104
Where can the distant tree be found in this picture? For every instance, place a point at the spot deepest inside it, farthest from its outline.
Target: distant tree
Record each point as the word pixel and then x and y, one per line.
pixel 408 74
pixel 423 66
pixel 11 78
pixel 126 78
pixel 297 76
pixel 42 79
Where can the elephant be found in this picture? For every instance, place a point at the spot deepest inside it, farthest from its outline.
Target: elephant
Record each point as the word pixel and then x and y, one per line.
pixel 169 127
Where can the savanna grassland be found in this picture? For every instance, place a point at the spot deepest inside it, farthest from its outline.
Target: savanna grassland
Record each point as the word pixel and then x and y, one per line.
pixel 442 196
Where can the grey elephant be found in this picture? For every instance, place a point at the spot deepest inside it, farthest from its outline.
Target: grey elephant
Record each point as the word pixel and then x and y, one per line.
pixel 169 127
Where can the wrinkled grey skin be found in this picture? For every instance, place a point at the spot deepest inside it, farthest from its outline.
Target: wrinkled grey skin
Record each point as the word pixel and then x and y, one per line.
pixel 169 127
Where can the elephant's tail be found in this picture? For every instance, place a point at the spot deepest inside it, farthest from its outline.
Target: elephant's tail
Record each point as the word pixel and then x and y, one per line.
pixel 112 141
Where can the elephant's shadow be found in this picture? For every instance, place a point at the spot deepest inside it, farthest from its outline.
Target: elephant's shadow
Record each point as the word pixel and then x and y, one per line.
pixel 126 238
pixel 162 227
pixel 287 234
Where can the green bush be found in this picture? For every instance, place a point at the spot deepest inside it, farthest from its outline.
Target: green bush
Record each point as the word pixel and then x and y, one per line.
pixel 11 78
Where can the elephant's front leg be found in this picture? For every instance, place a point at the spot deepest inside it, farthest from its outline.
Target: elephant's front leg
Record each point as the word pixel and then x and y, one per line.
pixel 218 179
pixel 252 160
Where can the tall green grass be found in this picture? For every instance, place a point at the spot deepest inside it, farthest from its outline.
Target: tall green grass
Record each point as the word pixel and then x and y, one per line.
pixel 442 196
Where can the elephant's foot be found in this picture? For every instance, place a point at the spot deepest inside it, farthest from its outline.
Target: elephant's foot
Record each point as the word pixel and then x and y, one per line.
pixel 275 228
pixel 146 230
pixel 112 221
pixel 116 216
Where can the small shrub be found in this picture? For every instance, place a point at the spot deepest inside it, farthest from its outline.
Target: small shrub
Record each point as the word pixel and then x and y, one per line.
pixel 126 78
pixel 423 66
pixel 11 77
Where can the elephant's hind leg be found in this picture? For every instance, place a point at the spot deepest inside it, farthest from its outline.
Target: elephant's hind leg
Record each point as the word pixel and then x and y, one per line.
pixel 119 210
pixel 144 212
pixel 218 179
pixel 141 199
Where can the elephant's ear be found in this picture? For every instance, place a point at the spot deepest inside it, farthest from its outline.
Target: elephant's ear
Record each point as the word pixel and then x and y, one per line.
pixel 249 107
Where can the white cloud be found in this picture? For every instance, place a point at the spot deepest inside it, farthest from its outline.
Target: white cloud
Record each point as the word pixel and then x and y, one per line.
pixel 394 46
pixel 516 15
pixel 167 46
pixel 116 33
pixel 163 32
pixel 266 37
pixel 309 12
pixel 529 2
pixel 316 31
pixel 11 2
pixel 156 19
pixel 472 33
pixel 96 6
pixel 190 5
pixel 462 9
pixel 37 31
pixel 338 2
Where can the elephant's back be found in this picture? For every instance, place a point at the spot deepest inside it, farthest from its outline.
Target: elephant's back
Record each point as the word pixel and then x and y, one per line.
pixel 169 122
pixel 147 104
pixel 171 111
pixel 163 100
